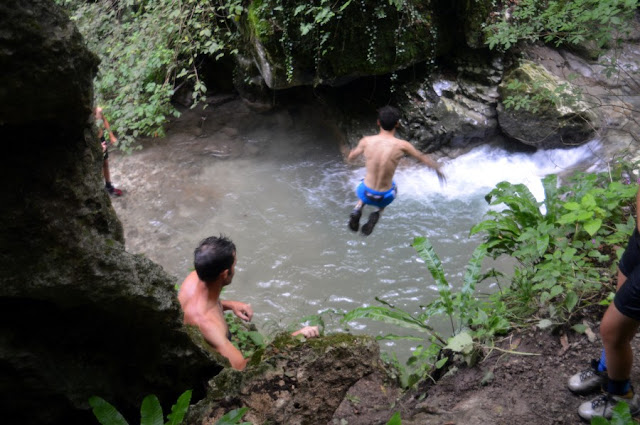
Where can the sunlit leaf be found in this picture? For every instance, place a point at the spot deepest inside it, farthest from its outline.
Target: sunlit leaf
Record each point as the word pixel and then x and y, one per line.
pixel 151 411
pixel 395 419
pixel 105 412
pixel 179 410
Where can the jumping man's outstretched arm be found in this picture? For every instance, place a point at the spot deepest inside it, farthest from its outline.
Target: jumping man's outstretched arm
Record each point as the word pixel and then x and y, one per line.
pixel 409 149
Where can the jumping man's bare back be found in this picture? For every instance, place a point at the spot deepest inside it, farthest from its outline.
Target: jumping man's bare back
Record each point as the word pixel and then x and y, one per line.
pixel 382 154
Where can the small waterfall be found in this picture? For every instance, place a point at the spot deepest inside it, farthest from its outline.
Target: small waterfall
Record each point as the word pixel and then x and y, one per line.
pixel 478 171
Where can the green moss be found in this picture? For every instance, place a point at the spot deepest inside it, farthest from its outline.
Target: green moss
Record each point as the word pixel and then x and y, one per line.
pixel 260 28
pixel 284 342
pixel 534 80
pixel 230 381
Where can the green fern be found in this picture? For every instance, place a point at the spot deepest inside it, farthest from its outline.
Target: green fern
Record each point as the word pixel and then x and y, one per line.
pixel 233 417
pixel 105 412
pixel 150 411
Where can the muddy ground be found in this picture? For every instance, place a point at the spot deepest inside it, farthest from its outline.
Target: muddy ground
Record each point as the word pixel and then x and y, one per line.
pixel 528 388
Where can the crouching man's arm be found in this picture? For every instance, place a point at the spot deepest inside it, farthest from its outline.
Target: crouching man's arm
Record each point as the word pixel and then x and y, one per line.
pixel 216 335
pixel 242 310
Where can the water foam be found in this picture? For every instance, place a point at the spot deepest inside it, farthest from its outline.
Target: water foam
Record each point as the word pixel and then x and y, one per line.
pixel 480 170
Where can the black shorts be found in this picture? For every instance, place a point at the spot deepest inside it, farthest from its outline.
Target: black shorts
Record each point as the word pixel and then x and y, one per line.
pixel 627 299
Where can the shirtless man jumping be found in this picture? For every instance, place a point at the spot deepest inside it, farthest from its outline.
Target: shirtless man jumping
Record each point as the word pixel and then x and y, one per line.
pixel 199 296
pixel 382 154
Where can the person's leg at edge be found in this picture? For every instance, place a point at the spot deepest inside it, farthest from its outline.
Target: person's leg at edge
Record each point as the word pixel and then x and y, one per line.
pixel 354 217
pixel 367 228
pixel 106 172
pixel 617 331
pixel 107 179
pixel 584 380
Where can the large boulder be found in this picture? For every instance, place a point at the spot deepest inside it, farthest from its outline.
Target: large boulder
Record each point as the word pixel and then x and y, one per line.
pixel 80 316
pixel 456 110
pixel 310 382
pixel 542 110
pixel 614 95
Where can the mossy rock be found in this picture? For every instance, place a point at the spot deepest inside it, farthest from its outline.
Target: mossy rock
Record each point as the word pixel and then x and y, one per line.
pixel 295 380
pixel 372 40
pixel 552 114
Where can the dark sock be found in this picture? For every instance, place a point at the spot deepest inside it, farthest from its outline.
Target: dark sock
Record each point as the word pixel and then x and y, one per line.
pixel 602 364
pixel 618 387
pixel 108 185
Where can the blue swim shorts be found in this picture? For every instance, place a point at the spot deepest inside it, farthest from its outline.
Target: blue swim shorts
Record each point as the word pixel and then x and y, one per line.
pixel 627 299
pixel 375 198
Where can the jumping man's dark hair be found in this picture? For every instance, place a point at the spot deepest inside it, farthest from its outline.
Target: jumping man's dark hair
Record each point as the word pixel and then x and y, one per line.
pixel 213 256
pixel 388 117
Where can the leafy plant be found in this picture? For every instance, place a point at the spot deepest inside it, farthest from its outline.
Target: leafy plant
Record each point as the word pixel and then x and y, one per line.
pixel 559 22
pixel 150 411
pixel 395 419
pixel 246 339
pixel 621 416
pixel 590 24
pixel 462 307
pixel 564 252
pixel 313 31
pixel 233 417
pixel 462 304
pixel 419 365
pixel 148 49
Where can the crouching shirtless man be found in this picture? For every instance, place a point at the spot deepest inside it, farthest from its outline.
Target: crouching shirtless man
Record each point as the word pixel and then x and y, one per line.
pixel 199 296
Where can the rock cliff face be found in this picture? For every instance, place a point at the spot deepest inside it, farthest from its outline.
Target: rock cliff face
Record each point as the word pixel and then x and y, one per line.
pixel 465 100
pixel 334 379
pixel 295 43
pixel 547 124
pixel 80 316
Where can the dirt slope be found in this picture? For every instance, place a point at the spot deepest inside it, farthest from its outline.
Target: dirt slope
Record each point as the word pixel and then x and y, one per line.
pixel 525 389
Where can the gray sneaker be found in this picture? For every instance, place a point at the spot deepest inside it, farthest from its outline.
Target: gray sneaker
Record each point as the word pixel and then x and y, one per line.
pixel 604 404
pixel 588 380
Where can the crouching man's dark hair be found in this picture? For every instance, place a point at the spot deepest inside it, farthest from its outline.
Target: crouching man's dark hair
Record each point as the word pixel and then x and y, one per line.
pixel 213 256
